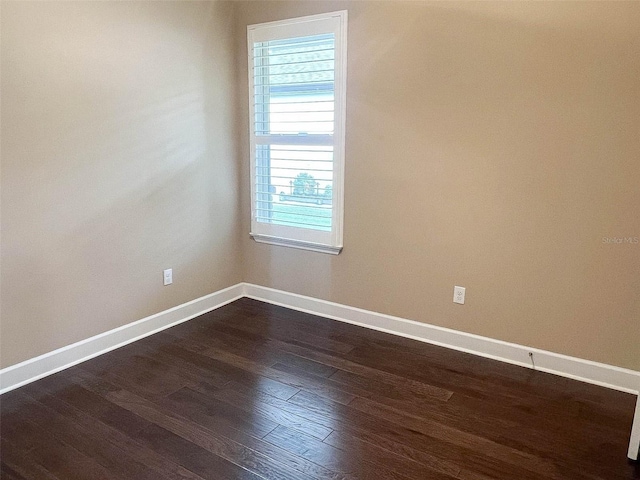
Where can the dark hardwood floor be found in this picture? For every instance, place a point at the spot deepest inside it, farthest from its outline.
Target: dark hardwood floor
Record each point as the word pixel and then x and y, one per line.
pixel 254 391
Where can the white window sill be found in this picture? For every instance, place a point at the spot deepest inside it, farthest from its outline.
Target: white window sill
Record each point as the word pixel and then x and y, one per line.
pixel 287 242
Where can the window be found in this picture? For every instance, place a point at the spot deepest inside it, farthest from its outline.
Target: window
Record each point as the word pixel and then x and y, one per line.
pixel 297 82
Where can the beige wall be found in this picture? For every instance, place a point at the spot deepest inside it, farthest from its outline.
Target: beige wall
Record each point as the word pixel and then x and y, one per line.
pixel 118 160
pixel 489 145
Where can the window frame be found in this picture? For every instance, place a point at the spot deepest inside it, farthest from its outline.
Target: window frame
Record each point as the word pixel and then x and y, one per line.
pixel 304 238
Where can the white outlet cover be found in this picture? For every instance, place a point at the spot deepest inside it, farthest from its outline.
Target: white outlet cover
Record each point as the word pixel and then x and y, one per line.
pixel 458 295
pixel 168 276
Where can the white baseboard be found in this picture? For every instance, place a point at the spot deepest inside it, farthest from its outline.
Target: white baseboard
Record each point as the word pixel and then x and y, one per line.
pixel 38 367
pixel 576 368
pixel 634 442
pixel 585 370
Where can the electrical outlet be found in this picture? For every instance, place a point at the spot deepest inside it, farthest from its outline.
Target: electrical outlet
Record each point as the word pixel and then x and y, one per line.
pixel 458 295
pixel 168 276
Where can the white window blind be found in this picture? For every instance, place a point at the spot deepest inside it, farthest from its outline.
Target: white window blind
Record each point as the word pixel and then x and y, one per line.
pixel 296 89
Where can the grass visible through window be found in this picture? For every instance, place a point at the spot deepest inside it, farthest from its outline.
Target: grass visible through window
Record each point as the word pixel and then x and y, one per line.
pixel 294 214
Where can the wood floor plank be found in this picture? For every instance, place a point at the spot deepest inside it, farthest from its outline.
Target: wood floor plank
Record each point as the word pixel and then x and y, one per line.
pixel 143 374
pixel 106 454
pixel 389 425
pixel 215 411
pixel 475 369
pixel 201 436
pixel 487 371
pixel 64 461
pixel 23 464
pixel 287 326
pixel 250 347
pixel 207 368
pixel 374 373
pixel 395 437
pixel 201 461
pixel 118 427
pixel 287 352
pixel 436 470
pixel 8 473
pixel 329 456
pixel 321 389
pixel 281 456
pixel 251 403
pixel 486 386
pixel 307 365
